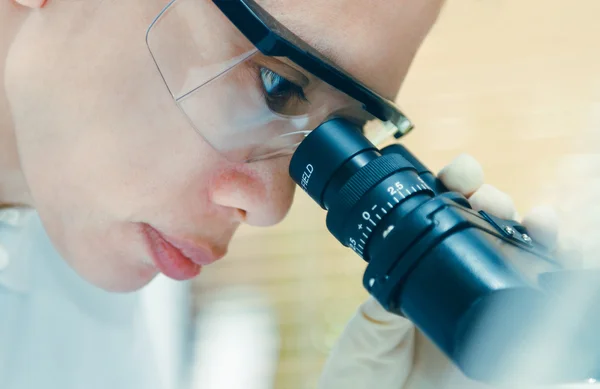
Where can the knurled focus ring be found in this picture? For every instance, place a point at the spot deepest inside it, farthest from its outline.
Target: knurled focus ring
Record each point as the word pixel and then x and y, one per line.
pixel 363 181
pixel 367 177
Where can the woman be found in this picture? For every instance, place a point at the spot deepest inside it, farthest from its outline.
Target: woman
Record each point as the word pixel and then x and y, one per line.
pixel 102 167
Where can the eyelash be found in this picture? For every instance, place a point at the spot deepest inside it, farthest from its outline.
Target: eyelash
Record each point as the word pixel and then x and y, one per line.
pixel 278 99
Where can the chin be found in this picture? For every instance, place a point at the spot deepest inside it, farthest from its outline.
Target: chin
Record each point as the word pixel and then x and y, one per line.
pixel 114 277
pixel 119 263
pixel 129 285
pixel 112 258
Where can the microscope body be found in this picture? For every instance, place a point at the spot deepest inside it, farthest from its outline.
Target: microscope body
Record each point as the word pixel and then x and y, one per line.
pixel 479 287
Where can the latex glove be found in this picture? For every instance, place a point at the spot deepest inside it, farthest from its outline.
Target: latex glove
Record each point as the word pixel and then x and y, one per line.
pixel 31 3
pixel 376 348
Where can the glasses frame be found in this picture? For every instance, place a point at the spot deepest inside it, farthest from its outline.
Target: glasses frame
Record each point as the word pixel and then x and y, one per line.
pixel 273 39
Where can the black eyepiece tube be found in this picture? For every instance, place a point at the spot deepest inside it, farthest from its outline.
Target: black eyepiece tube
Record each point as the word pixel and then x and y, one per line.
pixel 332 154
pixel 423 171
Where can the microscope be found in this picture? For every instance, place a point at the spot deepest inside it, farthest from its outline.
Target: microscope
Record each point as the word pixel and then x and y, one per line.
pixel 479 287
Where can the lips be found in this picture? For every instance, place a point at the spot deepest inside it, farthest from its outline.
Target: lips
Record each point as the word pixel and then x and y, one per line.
pixel 177 258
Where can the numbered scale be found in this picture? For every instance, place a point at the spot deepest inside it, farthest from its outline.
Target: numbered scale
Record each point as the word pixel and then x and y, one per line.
pixel 369 215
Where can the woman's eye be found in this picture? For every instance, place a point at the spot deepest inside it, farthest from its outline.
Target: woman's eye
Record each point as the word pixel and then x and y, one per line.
pixel 282 96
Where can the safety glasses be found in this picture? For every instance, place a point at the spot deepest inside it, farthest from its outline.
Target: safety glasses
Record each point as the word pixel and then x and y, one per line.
pixel 250 87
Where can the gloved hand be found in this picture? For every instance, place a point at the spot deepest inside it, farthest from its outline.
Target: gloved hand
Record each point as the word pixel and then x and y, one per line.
pixel 376 349
pixel 31 3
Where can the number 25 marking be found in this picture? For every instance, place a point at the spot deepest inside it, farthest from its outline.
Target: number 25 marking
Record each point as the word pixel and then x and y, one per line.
pixel 394 189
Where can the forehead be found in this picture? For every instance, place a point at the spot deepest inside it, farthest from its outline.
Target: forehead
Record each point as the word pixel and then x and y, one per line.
pixel 375 41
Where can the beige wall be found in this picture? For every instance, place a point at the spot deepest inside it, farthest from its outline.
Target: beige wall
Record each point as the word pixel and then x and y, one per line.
pixel 516 83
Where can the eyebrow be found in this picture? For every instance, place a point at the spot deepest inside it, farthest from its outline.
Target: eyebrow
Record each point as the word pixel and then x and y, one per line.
pixel 330 53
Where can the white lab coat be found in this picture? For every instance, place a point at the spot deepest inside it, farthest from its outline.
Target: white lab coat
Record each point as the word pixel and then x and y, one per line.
pixel 59 332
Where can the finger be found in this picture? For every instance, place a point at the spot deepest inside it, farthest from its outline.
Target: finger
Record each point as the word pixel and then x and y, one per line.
pixel 31 3
pixel 373 312
pixel 542 224
pixel 463 175
pixel 569 252
pixel 375 347
pixel 493 201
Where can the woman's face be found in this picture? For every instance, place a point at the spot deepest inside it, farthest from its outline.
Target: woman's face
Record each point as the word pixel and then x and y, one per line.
pixel 124 185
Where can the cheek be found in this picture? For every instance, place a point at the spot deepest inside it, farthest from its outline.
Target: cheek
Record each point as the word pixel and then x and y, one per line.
pixel 101 144
pixel 94 117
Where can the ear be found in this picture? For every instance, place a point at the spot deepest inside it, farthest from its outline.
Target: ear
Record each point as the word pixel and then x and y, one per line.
pixel 31 3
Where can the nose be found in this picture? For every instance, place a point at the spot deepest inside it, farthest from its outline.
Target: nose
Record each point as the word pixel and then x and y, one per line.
pixel 262 191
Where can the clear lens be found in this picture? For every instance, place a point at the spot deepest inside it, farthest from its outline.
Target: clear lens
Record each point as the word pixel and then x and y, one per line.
pixel 246 105
pixel 192 43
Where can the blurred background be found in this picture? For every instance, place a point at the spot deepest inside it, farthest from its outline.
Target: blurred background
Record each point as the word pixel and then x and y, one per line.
pixel 514 83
